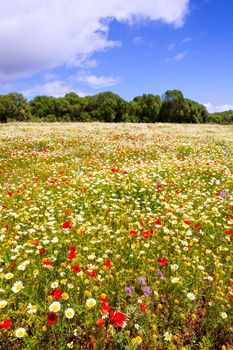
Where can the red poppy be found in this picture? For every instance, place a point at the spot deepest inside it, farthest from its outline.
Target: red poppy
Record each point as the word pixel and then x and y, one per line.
pixel 107 263
pixel 228 232
pixel 133 233
pixel 230 295
pixel 145 234
pixel 103 297
pixel 67 224
pixel 41 250
pixel 114 170
pixel 13 266
pixel 91 343
pixel 92 274
pixel 187 222
pixel 47 263
pixel 143 307
pixel 117 318
pixel 52 318
pixel 105 307
pixel 72 253
pixel 100 322
pixel 6 227
pixel 158 222
pixel 35 242
pixel 6 324
pixel 10 193
pixel 162 261
pixel 57 294
pixel 76 268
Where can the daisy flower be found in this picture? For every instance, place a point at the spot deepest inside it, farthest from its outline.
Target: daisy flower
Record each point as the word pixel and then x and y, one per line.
pixel 55 306
pixel 69 313
pixel 20 332
pixel 17 286
pixel 90 302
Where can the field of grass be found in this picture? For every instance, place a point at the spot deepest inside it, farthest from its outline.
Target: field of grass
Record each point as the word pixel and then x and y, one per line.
pixel 116 236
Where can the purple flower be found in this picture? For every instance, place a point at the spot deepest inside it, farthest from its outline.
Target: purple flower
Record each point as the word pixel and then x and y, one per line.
pixel 159 272
pixel 147 291
pixel 142 279
pixel 128 290
pixel 223 193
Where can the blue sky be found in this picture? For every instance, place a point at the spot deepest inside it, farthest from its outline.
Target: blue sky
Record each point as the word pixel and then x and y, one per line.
pixel 130 47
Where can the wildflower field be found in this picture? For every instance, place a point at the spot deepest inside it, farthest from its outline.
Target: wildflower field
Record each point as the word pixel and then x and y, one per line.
pixel 116 236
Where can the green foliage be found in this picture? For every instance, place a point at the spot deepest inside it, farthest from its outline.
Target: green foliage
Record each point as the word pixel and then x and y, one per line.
pixel 109 107
pixel 145 108
pixel 225 117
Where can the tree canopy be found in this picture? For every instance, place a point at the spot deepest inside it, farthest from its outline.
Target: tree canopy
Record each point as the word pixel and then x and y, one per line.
pixel 109 107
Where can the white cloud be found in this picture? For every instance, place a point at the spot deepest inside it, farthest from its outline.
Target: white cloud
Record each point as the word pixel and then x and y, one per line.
pixel 54 88
pixel 212 109
pixel 98 82
pixel 186 40
pixel 138 40
pixel 43 34
pixel 180 56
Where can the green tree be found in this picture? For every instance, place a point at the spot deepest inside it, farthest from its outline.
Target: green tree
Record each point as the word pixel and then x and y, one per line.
pixel 173 107
pixel 106 107
pixel 14 107
pixel 42 106
pixel 145 108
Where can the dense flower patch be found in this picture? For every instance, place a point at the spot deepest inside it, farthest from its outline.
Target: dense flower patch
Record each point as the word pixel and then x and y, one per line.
pixel 116 237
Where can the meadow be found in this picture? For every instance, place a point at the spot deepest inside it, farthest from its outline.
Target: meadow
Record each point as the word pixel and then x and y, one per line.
pixel 116 236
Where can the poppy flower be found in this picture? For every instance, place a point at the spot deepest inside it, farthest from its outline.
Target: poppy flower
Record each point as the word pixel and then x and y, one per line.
pixel 92 274
pixel 143 307
pixel 103 297
pixel 100 322
pixel 107 263
pixel 47 263
pixel 162 261
pixel 228 232
pixel 52 318
pixel 158 222
pixel 133 233
pixel 117 318
pixel 76 268
pixel 114 170
pixel 41 251
pixel 6 324
pixel 105 307
pixel 57 294
pixel 67 225
pixel 13 266
pixel 72 254
pixel 187 222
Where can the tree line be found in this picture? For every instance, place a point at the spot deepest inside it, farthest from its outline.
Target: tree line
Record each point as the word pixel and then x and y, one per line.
pixel 172 107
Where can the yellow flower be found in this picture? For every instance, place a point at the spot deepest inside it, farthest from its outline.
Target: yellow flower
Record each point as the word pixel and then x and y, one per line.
pixel 137 340
pixel 65 296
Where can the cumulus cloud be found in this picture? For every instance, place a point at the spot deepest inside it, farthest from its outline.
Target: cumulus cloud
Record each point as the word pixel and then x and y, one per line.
pixel 56 88
pixel 212 109
pixel 42 34
pixel 98 82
